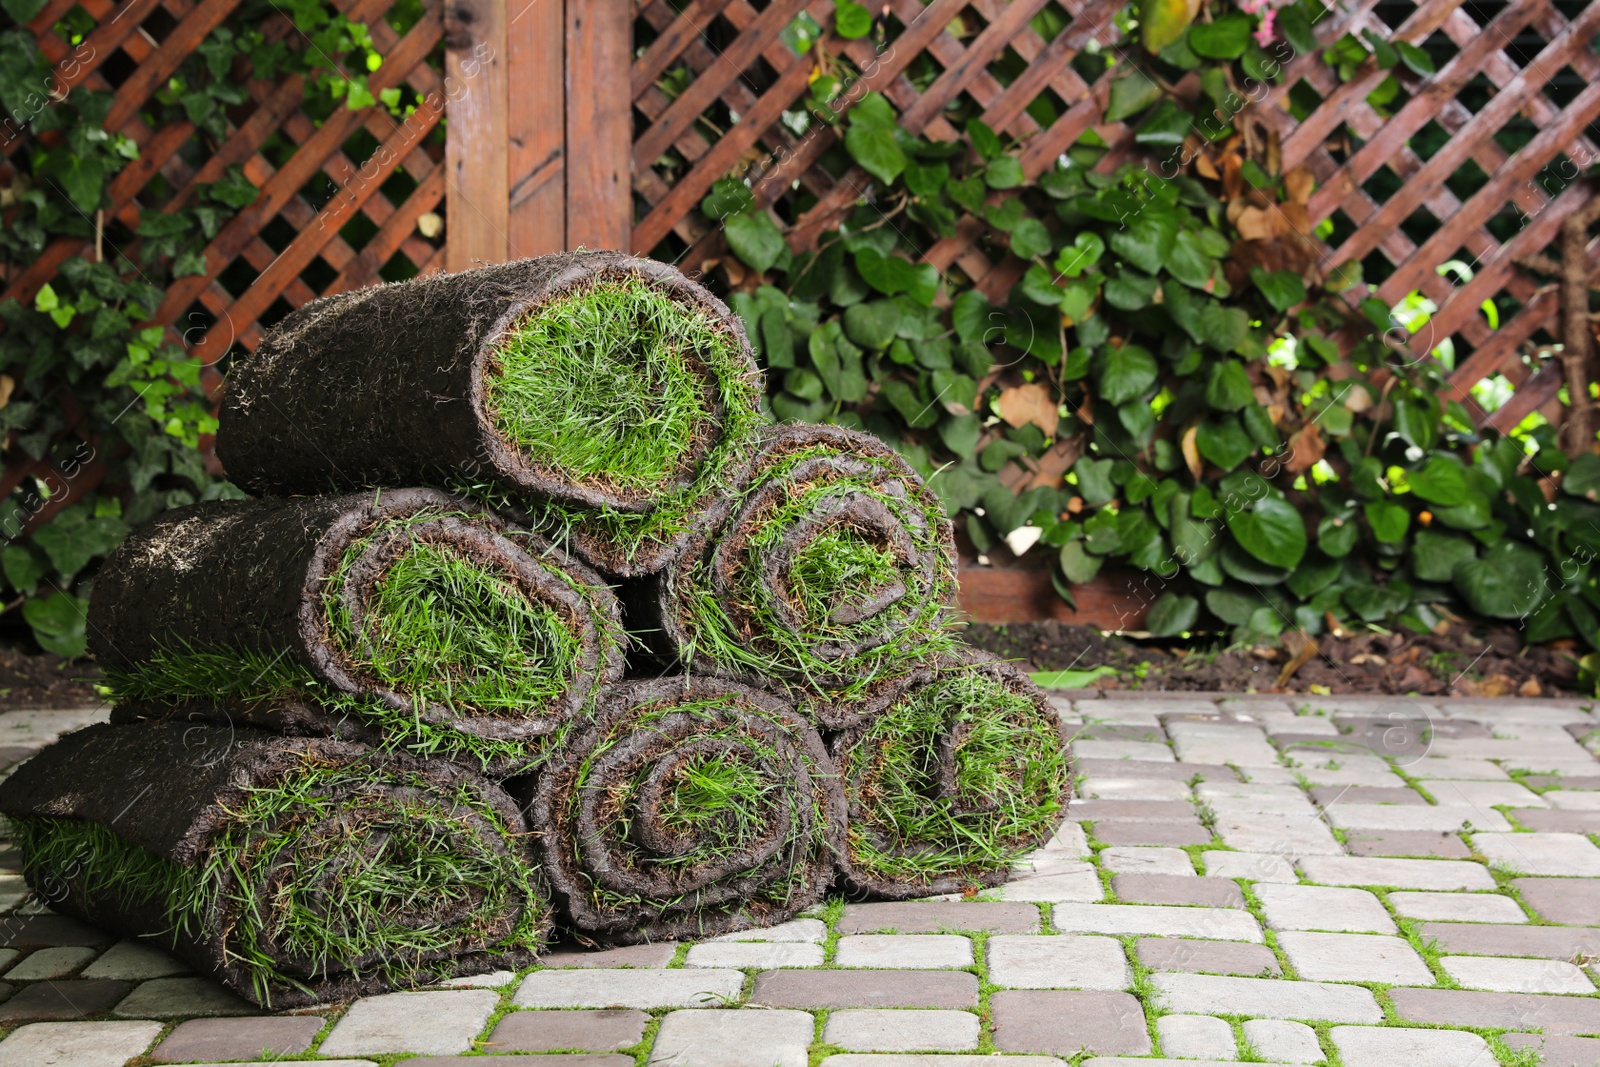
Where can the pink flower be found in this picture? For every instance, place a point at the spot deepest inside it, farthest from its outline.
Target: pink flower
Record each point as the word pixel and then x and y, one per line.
pixel 1263 32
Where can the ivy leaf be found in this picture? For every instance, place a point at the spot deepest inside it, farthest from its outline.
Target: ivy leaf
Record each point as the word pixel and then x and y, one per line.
pixel 1271 529
pixel 875 148
pixel 1094 480
pixel 81 177
pixel 59 623
pixel 1225 38
pixel 851 20
pixel 968 193
pixel 22 10
pixel 926 179
pixel 1131 94
pixel 890 274
pixel 1030 239
pixel 1168 124
pixel 1130 290
pixel 1389 520
pixel 1039 286
pixel 984 139
pixel 728 196
pixel 1148 241
pixel 1223 327
pixel 189 263
pixel 1162 22
pixel 1228 387
pixel 872 324
pixel 1223 441
pixel 1441 481
pixel 1188 262
pixel 1282 288
pixel 960 434
pixel 1419 61
pixel 1509 582
pixel 1296 29
pixel 1435 556
pixel 1336 536
pixel 1082 254
pixel 1004 172
pixel 1077 564
pixel 1127 373
pixel 918 412
pixel 1582 477
pixel 23 568
pixel 972 316
pixel 754 239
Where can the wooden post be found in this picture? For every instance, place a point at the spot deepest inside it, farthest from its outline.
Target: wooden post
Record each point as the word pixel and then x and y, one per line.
pixel 599 124
pixel 476 148
pixel 537 155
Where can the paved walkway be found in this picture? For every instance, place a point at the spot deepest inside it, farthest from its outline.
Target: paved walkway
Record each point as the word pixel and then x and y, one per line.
pixel 1357 882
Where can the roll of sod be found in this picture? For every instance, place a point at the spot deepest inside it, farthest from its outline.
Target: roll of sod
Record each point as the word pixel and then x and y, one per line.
pixel 609 397
pixel 831 575
pixel 693 807
pixel 406 612
pixel 966 769
pixel 293 871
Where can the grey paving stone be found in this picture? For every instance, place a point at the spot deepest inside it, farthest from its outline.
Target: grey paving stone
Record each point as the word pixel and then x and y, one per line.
pixel 1485 794
pixel 1097 811
pixel 1297 834
pixel 1561 855
pixel 1177 889
pixel 1573 799
pixel 1354 958
pixel 1516 976
pixel 765 954
pixel 1074 883
pixel 1177 772
pixel 814 931
pixel 904 951
pixel 1508 1011
pixel 1118 731
pixel 1560 822
pixel 1068 1022
pixel 595 1030
pixel 238 1039
pixel 728 1037
pixel 50 963
pixel 1440 819
pixel 103 1044
pixel 1196 1037
pixel 866 989
pixel 933 1059
pixel 1308 907
pixel 1558 1051
pixel 1457 907
pixel 1482 939
pixel 628 988
pixel 1406 843
pixel 1372 1046
pixel 179 998
pixel 134 961
pixel 1456 768
pixel 938 917
pixel 1220 924
pixel 64 1000
pixel 1267 998
pixel 43 931
pixel 1249 866
pixel 1176 834
pixel 657 955
pixel 486 980
pixel 1134 789
pixel 1575 901
pixel 1132 751
pixel 1404 874
pixel 887 1030
pixel 1046 862
pixel 1281 1041
pixel 432 1023
pixel 1207 957
pixel 1365 794
pixel 582 1059
pixel 1024 961
pixel 1125 859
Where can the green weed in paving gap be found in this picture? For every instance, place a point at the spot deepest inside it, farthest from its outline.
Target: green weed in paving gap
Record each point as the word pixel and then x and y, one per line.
pixel 1010 772
pixel 322 874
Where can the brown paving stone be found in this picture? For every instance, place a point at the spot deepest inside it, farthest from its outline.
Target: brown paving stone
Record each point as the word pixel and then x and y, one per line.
pixel 1174 834
pixel 70 999
pixel 238 1039
pixel 1491 939
pixel 936 917
pixel 1144 768
pixel 1549 781
pixel 606 1030
pixel 1575 901
pixel 865 989
pixel 1510 1011
pixel 1406 843
pixel 1177 889
pixel 1558 1051
pixel 1130 811
pixel 558 1060
pixel 1554 820
pixel 657 955
pixel 1208 957
pixel 1365 794
pixel 1107 1024
pixel 48 931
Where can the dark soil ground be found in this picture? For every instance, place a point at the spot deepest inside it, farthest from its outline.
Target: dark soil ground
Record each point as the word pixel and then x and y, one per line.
pixel 31 678
pixel 1462 661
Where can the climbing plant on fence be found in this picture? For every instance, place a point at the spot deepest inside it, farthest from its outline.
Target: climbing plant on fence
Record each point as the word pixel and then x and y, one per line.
pixel 148 183
pixel 1171 377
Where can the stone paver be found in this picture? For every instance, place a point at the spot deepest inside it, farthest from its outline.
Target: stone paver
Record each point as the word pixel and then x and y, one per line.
pixel 1569 855
pixel 134 961
pixel 61 1001
pixel 1173 834
pixel 1309 907
pixel 855 1059
pixel 1176 889
pixel 442 1023
pixel 592 1030
pixel 1124 750
pixel 1486 794
pixel 1510 1011
pixel 1487 939
pixel 1222 924
pixel 865 989
pixel 913 951
pixel 883 1030
pixel 1134 789
pixel 1354 958
pixel 1557 1051
pixel 1196 1037
pixel 814 931
pixel 1068 962
pixel 628 988
pixel 1516 976
pixel 1441 819
pixel 1135 860
pixel 1266 998
pixel 1412 843
pixel 719 1037
pixel 656 955
pixel 178 998
pixel 76 1044
pixel 1457 907
pixel 1207 957
pixel 1078 884
pixel 938 917
pixel 1402 874
pixel 1367 1046
pixel 1067 1022
pixel 765 954
pixel 1250 867
pixel 1575 901
pixel 1281 1041
pixel 238 1039
pixel 50 963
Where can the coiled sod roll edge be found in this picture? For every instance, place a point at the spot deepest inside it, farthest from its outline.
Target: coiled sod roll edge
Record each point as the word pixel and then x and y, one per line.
pixel 830 575
pixel 694 807
pixel 403 617
pixel 292 871
pixel 966 769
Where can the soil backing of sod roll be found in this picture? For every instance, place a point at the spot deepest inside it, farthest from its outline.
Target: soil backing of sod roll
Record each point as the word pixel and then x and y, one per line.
pixel 830 574
pixel 693 807
pixel 405 616
pixel 294 871
pixel 608 398
pixel 964 770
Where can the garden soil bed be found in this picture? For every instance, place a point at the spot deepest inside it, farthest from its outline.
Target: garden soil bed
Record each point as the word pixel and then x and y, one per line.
pixel 30 678
pixel 1463 661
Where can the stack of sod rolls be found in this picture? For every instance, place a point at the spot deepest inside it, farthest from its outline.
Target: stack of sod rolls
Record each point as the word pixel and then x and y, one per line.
pixel 533 621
